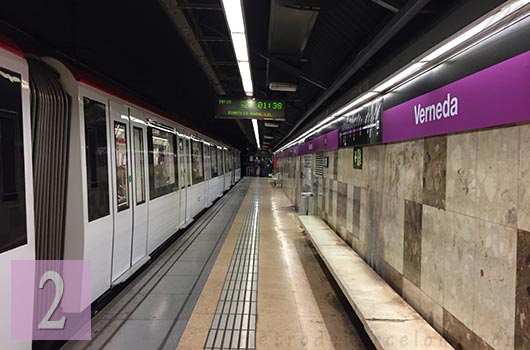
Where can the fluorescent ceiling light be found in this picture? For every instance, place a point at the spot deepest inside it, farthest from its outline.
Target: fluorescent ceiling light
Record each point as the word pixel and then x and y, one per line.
pixel 478 28
pixel 400 77
pixel 240 46
pixel 256 132
pixel 236 24
pixel 268 137
pixel 328 119
pixel 234 15
pixel 358 101
pixel 246 77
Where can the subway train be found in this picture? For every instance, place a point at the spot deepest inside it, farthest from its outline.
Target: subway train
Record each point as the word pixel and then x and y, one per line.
pixel 87 173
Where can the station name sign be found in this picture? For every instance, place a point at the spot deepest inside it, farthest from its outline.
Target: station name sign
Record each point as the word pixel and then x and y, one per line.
pixel 363 127
pixel 250 108
pixel 494 96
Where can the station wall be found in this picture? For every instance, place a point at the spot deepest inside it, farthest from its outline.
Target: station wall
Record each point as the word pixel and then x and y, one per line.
pixel 445 221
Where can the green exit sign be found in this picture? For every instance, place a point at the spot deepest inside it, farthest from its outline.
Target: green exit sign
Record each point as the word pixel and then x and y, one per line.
pixel 250 108
pixel 357 157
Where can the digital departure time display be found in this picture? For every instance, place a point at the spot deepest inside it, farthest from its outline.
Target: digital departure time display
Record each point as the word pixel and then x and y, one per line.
pixel 250 108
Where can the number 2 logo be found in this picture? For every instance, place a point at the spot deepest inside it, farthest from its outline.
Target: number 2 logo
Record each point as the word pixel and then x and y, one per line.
pixel 52 300
pixel 46 322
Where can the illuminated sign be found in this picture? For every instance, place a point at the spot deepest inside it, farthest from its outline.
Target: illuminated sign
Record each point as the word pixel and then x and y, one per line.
pixel 250 108
pixel 363 127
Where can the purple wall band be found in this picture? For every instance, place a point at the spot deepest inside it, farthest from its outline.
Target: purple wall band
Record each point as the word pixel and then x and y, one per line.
pixel 324 143
pixel 494 96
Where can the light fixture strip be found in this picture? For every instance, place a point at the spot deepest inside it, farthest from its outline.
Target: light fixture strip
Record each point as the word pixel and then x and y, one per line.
pixel 256 132
pixel 236 25
pixel 517 8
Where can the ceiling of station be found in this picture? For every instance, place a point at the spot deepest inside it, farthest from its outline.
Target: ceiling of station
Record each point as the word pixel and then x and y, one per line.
pixel 177 54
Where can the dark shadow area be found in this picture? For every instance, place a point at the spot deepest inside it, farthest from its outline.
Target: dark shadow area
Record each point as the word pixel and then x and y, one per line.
pixel 333 305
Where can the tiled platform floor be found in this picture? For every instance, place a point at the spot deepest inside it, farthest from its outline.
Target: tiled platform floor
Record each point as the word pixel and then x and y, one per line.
pixel 296 307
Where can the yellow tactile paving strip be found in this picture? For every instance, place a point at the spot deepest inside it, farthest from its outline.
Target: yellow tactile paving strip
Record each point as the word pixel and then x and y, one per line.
pixel 297 308
pixel 196 332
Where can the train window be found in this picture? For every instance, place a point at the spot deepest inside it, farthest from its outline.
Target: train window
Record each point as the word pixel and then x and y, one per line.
pixel 188 161
pixel 122 172
pixel 227 161
pixel 207 167
pixel 213 155
pixel 139 164
pixel 162 165
pixel 197 166
pixel 182 164
pixel 96 159
pixel 12 179
pixel 220 161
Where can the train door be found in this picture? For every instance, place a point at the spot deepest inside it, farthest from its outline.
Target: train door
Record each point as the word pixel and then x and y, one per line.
pixel 187 158
pixel 121 180
pixel 232 163
pixel 139 185
pixel 207 170
pixel 183 173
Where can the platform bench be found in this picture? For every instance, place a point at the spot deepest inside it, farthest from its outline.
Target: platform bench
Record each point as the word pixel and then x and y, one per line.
pixel 390 322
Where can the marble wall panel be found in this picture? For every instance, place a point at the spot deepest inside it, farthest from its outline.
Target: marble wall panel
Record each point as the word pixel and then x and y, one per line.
pixel 359 247
pixel 392 277
pixel 494 292
pixel 374 163
pixel 523 214
pixel 392 229
pixel 335 156
pixel 432 312
pixel 403 170
pixel 497 175
pixel 349 209
pixel 432 250
pixel 412 187
pixel 460 336
pixel 393 168
pixel 333 214
pixel 356 212
pixel 412 242
pixel 434 171
pixel 342 200
pixel 374 239
pixel 363 216
pixel 329 197
pixel 347 173
pixel 412 294
pixel 522 292
pixel 320 193
pixel 459 266
pixel 461 181
pixel 344 173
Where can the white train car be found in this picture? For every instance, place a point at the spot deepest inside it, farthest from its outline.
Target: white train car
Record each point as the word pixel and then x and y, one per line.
pixel 86 174
pixel 17 235
pixel 125 202
pixel 237 166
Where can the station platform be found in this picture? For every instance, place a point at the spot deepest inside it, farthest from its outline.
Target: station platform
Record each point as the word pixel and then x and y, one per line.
pixel 243 276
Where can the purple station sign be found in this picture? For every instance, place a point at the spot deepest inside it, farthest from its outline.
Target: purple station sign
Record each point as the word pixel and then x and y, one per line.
pixel 494 96
pixel 324 143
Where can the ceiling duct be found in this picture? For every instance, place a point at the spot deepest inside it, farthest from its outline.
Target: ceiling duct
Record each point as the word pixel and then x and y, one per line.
pixel 287 87
pixel 271 125
pixel 290 27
